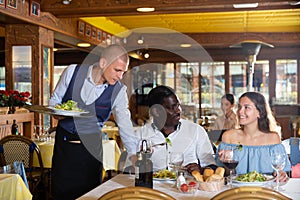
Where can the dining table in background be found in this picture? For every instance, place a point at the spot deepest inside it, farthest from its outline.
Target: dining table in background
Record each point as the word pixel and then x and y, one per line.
pixel 12 187
pixel 111 154
pixel 291 189
pixel 113 133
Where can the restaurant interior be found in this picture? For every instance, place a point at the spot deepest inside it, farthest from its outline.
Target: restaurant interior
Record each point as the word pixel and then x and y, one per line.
pixel 202 49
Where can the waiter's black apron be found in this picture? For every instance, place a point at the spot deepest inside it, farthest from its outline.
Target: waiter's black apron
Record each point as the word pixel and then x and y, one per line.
pixel 73 157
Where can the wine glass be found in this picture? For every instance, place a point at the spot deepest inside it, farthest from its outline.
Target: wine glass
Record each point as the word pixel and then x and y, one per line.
pixel 278 163
pixel 175 161
pixel 227 157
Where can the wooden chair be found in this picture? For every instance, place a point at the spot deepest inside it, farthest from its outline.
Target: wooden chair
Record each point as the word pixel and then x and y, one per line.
pixel 250 192
pixel 19 148
pixel 137 193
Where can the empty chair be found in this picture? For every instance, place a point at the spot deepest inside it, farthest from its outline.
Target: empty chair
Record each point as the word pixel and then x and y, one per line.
pixel 137 193
pixel 250 192
pixel 19 148
pixel 294 150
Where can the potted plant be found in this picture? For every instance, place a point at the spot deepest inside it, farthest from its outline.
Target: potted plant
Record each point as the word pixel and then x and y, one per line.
pixel 12 98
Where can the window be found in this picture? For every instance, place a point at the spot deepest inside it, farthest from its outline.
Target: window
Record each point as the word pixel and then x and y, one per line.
pixel 238 78
pixel 286 82
pixel 212 87
pixel 21 64
pixel 2 78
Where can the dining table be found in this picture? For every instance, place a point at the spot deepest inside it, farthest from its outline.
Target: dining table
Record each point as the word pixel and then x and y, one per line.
pixel 12 187
pixel 291 189
pixel 111 154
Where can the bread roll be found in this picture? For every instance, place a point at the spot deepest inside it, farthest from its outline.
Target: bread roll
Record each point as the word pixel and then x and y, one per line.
pixel 213 177
pixel 220 171
pixel 197 175
pixel 207 173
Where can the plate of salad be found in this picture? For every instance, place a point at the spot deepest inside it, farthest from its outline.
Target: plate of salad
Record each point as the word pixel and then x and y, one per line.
pixel 68 108
pixel 253 179
pixel 164 175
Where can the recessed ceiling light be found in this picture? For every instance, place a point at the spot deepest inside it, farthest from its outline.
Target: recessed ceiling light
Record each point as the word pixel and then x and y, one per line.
pixel 245 5
pixel 146 55
pixel 83 44
pixel 66 2
pixel 140 40
pixel 185 45
pixel 146 9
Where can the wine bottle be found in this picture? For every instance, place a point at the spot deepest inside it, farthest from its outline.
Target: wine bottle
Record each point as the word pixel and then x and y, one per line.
pixel 14 128
pixel 139 176
pixel 148 171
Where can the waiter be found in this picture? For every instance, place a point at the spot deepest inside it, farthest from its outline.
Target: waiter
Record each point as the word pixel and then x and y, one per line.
pixel 77 158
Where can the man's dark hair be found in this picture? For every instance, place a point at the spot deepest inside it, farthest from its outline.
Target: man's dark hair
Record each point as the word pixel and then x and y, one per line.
pixel 157 94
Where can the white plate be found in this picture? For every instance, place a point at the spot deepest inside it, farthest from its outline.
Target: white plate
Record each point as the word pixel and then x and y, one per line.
pixel 270 180
pixel 164 179
pixel 67 112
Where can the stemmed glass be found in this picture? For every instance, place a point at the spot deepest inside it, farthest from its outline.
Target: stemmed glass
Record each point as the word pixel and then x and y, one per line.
pixel 175 163
pixel 227 157
pixel 278 163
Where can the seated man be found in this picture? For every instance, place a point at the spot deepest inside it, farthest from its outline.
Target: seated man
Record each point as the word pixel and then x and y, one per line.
pixel 169 133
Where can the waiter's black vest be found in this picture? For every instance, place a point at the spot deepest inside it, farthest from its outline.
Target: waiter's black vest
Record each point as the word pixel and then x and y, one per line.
pixel 100 109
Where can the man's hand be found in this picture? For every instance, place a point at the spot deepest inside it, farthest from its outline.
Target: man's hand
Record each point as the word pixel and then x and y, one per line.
pixel 192 166
pixel 58 117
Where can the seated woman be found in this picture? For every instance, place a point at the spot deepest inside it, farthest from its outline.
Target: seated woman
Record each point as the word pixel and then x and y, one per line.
pixel 257 136
pixel 229 119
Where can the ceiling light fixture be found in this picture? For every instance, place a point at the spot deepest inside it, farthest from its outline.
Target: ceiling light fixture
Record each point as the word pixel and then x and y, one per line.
pixel 146 55
pixel 83 44
pixel 66 2
pixel 145 9
pixel 246 5
pixel 294 3
pixel 140 40
pixel 185 45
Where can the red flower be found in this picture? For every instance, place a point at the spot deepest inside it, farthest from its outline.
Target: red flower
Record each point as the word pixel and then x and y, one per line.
pixel 13 98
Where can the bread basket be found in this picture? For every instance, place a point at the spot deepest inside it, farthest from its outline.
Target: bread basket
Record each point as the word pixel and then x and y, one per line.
pixel 212 186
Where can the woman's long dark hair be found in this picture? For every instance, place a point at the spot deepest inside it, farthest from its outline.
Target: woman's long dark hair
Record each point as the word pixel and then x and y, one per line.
pixel 266 121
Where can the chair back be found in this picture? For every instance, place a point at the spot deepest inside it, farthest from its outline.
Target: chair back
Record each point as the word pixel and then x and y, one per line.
pixel 250 192
pixel 135 193
pixel 20 148
pixel 294 150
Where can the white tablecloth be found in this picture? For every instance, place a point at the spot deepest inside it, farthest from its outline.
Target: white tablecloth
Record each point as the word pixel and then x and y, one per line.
pixel 291 189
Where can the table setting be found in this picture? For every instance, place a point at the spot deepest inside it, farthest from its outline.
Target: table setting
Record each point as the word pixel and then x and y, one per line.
pixel 291 189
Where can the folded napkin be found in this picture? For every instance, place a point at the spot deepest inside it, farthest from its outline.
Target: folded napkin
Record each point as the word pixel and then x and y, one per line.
pixel 296 171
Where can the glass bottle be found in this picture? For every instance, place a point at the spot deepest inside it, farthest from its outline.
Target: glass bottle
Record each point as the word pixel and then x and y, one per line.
pixel 180 179
pixel 14 128
pixel 148 171
pixel 139 176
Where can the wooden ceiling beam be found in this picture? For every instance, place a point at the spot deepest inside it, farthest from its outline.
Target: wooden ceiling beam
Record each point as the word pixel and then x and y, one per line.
pixel 84 8
pixel 209 40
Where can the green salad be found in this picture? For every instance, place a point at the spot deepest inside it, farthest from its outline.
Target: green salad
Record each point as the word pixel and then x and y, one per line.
pixel 164 174
pixel 70 105
pixel 251 177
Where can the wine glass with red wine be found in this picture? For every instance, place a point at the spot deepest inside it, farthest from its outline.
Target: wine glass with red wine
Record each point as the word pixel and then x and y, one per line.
pixel 227 157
